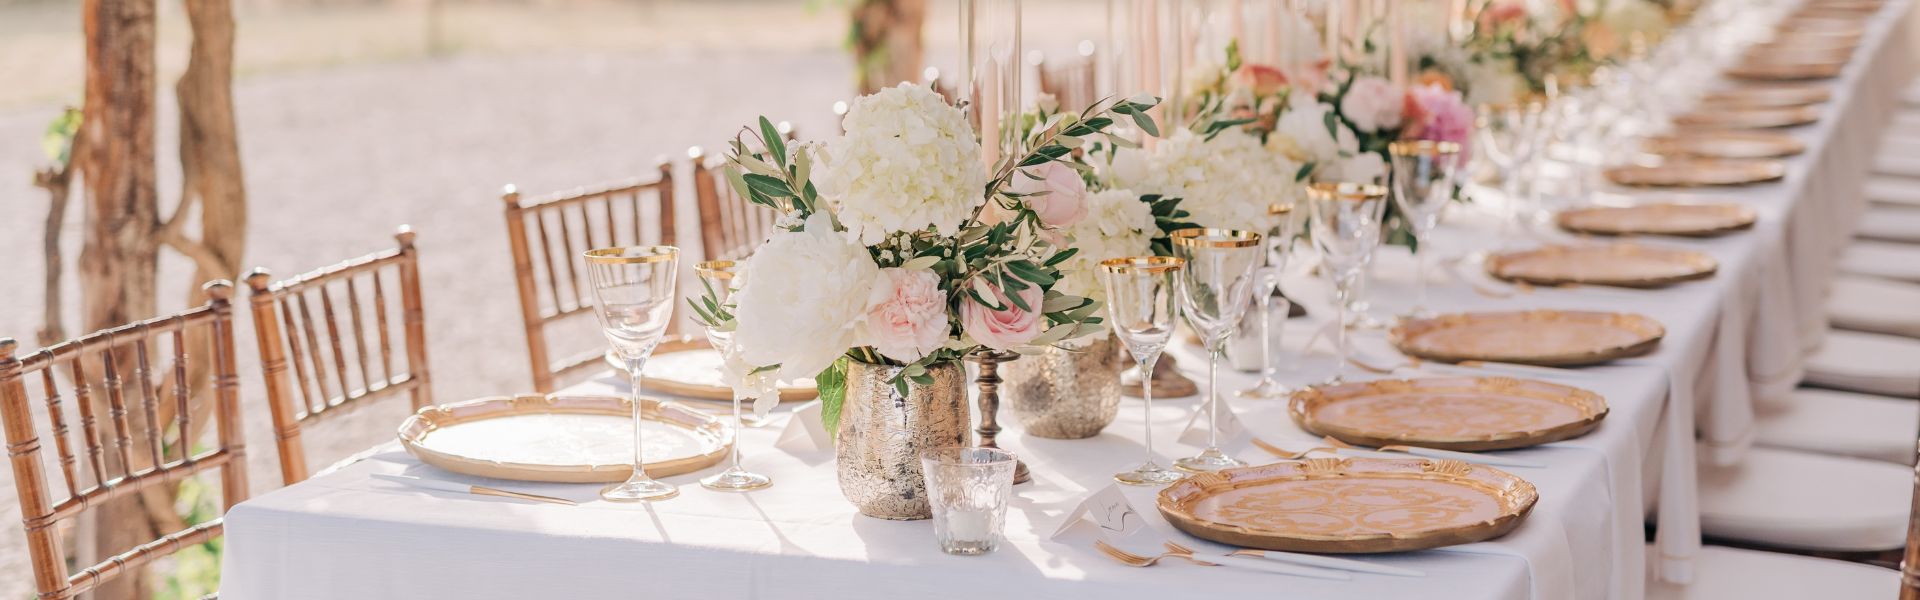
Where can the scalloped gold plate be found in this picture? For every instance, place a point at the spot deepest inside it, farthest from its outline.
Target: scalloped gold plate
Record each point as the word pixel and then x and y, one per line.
pixel 1725 143
pixel 1350 505
pixel 1748 118
pixel 566 439
pixel 1618 265
pixel 1666 218
pixel 688 367
pixel 1553 338
pixel 1785 71
pixel 1694 172
pixel 1467 414
pixel 1766 96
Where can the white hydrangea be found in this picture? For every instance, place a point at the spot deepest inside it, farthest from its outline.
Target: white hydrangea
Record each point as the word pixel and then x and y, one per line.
pixel 908 161
pixel 1228 181
pixel 801 302
pixel 1118 225
pixel 1301 134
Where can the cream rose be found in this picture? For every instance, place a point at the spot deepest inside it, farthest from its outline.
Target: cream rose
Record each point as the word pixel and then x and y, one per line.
pixel 906 314
pixel 1003 329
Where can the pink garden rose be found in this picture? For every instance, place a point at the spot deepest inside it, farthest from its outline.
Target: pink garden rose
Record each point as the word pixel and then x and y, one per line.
pixel 1439 114
pixel 1373 104
pixel 1003 329
pixel 1064 201
pixel 1262 80
pixel 906 314
pixel 1502 12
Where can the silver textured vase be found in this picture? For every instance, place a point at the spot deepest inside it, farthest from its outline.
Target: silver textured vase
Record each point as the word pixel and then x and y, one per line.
pixel 881 435
pixel 1066 394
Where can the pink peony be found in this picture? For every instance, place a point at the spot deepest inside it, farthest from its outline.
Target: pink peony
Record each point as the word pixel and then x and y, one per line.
pixel 1062 195
pixel 1262 80
pixel 1437 113
pixel 1373 104
pixel 1503 12
pixel 1003 329
pixel 906 314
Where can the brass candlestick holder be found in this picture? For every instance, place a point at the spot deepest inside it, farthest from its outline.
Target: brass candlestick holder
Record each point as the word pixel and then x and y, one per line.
pixel 989 382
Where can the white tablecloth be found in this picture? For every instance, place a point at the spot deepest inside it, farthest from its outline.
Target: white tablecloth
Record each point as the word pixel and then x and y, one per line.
pixel 1732 340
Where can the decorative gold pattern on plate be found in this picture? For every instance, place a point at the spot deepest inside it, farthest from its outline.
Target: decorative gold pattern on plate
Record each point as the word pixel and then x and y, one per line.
pixel 1759 96
pixel 688 367
pixel 1350 505
pixel 1468 414
pixel 568 439
pixel 1698 172
pixel 1667 218
pixel 1747 118
pixel 1725 144
pixel 1619 265
pixel 1539 337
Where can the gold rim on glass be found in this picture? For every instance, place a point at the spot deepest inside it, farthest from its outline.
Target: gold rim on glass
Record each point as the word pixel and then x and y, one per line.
pixel 716 269
pixel 632 255
pixel 1423 148
pixel 1142 264
pixel 1346 191
pixel 1215 238
pixel 1275 210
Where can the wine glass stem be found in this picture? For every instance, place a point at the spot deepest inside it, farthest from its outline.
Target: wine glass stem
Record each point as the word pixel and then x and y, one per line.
pixel 1420 273
pixel 1146 399
pixel 739 425
pixel 1263 302
pixel 634 366
pixel 1340 326
pixel 1214 350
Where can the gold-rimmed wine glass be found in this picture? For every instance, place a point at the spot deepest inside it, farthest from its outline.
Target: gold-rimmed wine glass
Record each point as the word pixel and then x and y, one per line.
pixel 1140 307
pixel 1423 175
pixel 718 277
pixel 1215 288
pixel 633 292
pixel 1266 281
pixel 1346 228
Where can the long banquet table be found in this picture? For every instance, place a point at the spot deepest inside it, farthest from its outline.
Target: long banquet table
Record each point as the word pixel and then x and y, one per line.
pixel 1732 341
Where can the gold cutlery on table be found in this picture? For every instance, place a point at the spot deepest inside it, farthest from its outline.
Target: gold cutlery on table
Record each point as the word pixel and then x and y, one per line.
pixel 1326 562
pixel 1437 453
pixel 1256 564
pixel 481 490
pixel 1286 454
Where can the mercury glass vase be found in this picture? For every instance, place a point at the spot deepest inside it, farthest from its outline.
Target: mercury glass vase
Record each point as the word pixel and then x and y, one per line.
pixel 882 433
pixel 1066 394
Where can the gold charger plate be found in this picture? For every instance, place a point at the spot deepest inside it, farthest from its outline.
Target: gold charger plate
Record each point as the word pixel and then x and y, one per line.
pixel 1766 96
pixel 1350 505
pixel 1553 338
pixel 1785 71
pixel 688 367
pixel 1749 118
pixel 1725 144
pixel 1686 220
pixel 1618 265
pixel 1467 414
pixel 1698 172
pixel 567 439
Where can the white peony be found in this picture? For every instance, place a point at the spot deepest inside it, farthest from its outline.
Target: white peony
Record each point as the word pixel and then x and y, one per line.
pixel 1373 104
pixel 1302 136
pixel 908 161
pixel 801 301
pixel 1118 225
pixel 1228 181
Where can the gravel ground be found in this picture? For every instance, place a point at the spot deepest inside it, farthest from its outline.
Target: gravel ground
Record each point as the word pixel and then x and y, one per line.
pixel 336 158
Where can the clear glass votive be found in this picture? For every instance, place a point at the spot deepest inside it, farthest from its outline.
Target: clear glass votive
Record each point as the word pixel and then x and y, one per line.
pixel 968 488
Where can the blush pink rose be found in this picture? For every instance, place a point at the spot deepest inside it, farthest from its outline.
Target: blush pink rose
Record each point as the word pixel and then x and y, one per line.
pixel 1500 13
pixel 1003 329
pixel 1262 80
pixel 1439 114
pixel 1062 194
pixel 906 314
pixel 1309 76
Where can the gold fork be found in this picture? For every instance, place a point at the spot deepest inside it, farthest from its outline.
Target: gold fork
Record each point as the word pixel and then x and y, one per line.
pixel 1136 560
pixel 1285 454
pixel 1256 564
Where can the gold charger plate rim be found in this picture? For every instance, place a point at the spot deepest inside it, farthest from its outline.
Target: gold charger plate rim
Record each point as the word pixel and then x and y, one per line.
pixel 1781 95
pixel 700 391
pixel 1725 172
pixel 414 431
pixel 1649 331
pixel 1726 143
pixel 1745 118
pixel 1703 266
pixel 1516 496
pixel 1739 218
pixel 1304 405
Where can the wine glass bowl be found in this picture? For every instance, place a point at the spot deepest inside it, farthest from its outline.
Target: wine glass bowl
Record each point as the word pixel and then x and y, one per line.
pixel 1423 179
pixel 1345 228
pixel 634 293
pixel 1140 308
pixel 1266 281
pixel 1215 289
pixel 720 277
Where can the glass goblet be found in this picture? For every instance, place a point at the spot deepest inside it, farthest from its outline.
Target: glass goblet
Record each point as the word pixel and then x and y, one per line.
pixel 718 277
pixel 633 294
pixel 1267 279
pixel 1345 228
pixel 1509 134
pixel 1423 174
pixel 1140 307
pixel 1214 292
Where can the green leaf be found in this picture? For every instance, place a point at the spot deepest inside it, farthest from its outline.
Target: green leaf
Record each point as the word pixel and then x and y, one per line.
pixel 1145 123
pixel 1014 298
pixel 1027 270
pixel 920 262
pixel 832 383
pixel 1306 170
pixel 768 185
pixel 1062 256
pixel 1057 302
pixel 775 144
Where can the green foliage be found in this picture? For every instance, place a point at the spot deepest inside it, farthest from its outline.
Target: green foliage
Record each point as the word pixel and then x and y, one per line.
pixel 832 383
pixel 196 569
pixel 58 140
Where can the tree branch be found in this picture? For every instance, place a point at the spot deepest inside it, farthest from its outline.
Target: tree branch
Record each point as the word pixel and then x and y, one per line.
pixel 202 256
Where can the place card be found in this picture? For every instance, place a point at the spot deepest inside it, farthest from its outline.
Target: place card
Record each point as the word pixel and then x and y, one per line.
pixel 804 433
pixel 1233 434
pixel 1106 511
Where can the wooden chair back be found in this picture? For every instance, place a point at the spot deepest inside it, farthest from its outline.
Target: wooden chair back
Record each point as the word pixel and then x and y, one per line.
pixel 548 234
pixel 113 374
pixel 731 226
pixel 334 367
pixel 1071 81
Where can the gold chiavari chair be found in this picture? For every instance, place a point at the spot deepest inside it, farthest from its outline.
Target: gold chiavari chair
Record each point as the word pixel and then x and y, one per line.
pixel 731 226
pixel 332 364
pixel 547 236
pixel 130 453
pixel 1070 81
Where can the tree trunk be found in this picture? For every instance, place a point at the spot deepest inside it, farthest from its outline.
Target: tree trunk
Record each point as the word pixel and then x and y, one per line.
pixel 887 45
pixel 118 256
